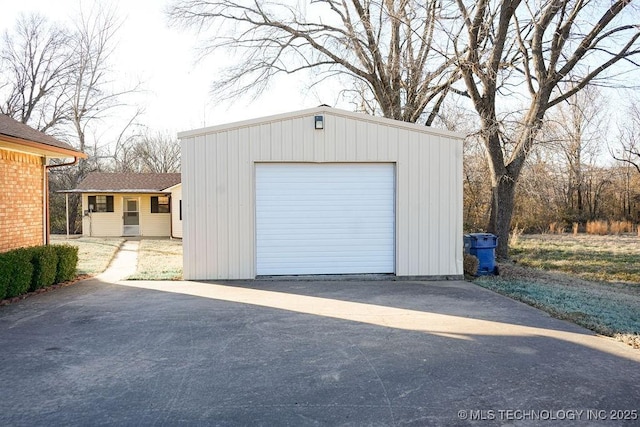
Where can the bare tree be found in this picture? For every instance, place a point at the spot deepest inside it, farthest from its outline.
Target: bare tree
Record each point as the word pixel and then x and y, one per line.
pixel 93 98
pixel 629 152
pixel 520 58
pixel 575 128
pixel 517 59
pixel 392 53
pixel 157 152
pixel 36 62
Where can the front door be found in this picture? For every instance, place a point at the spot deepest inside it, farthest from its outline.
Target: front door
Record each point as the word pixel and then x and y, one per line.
pixel 131 218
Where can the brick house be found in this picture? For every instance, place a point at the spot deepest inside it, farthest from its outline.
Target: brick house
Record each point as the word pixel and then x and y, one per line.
pixel 24 161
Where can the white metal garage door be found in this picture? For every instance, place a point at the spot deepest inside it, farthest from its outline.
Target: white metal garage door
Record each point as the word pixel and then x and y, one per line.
pixel 325 218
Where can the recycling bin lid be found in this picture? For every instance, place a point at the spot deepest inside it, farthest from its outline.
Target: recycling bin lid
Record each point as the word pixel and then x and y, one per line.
pixel 481 236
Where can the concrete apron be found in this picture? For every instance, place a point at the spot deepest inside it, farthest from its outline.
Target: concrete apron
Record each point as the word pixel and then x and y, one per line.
pixel 445 322
pixel 304 353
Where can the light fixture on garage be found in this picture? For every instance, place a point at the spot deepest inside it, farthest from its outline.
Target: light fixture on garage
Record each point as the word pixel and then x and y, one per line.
pixel 319 121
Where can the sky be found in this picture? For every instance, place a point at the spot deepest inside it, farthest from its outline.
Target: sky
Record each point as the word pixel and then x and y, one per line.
pixel 176 94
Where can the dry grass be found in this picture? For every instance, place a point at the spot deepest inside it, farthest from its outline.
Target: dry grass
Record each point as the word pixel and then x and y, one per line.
pixel 603 228
pixel 159 259
pixel 600 228
pixel 556 228
pixel 514 237
pixel 94 253
pixel 610 258
pixel 620 227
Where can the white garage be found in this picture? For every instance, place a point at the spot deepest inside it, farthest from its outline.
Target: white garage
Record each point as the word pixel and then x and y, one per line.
pixel 321 191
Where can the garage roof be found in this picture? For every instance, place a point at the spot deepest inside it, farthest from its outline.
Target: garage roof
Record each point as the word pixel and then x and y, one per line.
pixel 323 109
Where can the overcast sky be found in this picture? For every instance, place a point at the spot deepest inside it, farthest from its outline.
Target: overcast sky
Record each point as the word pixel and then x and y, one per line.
pixel 177 89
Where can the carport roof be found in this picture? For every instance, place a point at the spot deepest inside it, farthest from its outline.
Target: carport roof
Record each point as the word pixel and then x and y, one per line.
pixel 107 182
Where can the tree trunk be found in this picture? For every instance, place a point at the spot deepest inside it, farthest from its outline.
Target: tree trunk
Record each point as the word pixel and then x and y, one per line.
pixel 502 204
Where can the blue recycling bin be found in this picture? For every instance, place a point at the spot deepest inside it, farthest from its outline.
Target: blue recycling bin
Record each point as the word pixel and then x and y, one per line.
pixel 482 246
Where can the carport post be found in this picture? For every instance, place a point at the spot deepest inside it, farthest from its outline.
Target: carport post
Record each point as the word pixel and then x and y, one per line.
pixel 66 204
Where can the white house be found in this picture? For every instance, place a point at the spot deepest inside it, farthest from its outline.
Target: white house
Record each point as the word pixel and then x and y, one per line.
pixel 131 204
pixel 321 191
pixel 176 210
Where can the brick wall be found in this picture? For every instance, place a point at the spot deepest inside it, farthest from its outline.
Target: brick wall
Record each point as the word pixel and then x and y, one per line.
pixel 21 204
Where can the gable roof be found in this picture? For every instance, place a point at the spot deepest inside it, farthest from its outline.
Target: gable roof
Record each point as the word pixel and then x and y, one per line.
pixel 107 182
pixel 322 109
pixel 21 137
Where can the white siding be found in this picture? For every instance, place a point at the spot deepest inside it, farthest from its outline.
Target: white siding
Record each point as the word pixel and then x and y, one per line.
pixel 218 177
pixel 102 224
pixel 176 220
pixel 109 224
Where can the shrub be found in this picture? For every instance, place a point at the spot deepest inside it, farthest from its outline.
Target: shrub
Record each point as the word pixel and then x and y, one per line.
pixel 470 264
pixel 45 264
pixel 16 271
pixel 67 262
pixel 5 267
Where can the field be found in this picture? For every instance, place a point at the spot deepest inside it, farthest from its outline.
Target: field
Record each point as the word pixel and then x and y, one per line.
pixel 590 280
pixel 604 258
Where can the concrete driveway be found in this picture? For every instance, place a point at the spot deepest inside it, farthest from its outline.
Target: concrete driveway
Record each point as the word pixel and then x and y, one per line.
pixel 304 353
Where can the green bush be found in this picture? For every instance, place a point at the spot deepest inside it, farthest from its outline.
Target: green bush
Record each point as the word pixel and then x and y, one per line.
pixel 45 265
pixel 27 269
pixel 16 271
pixel 67 262
pixel 5 269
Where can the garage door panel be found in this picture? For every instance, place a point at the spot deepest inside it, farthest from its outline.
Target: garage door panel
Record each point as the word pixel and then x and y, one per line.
pixel 328 227
pixel 325 218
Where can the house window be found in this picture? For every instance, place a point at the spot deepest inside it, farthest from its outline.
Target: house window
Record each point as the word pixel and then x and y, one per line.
pixel 101 203
pixel 160 204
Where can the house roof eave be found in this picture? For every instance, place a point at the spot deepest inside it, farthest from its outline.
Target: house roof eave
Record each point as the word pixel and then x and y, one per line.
pixel 128 191
pixel 32 147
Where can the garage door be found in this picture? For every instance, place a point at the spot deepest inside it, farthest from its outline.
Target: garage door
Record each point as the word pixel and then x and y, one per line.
pixel 325 218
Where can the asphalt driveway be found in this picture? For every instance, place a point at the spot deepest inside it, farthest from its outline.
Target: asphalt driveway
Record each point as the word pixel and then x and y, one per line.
pixel 304 353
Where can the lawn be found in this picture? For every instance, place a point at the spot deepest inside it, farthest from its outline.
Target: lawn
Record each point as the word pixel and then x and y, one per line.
pixel 603 258
pixel 593 281
pixel 94 253
pixel 159 259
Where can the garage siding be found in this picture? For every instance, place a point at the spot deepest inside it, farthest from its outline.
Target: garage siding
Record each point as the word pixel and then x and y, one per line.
pixel 218 167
